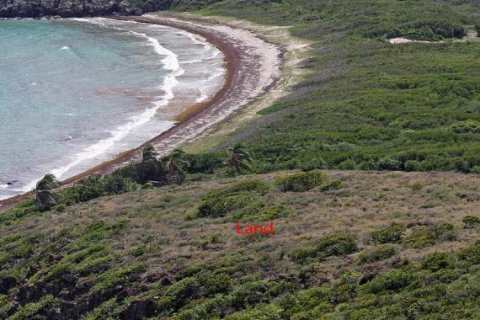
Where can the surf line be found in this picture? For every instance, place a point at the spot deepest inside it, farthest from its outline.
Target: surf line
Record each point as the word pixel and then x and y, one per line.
pixel 170 62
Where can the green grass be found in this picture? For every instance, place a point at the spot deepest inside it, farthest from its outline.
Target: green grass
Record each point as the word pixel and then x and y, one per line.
pixel 139 253
pixel 367 104
pixel 172 252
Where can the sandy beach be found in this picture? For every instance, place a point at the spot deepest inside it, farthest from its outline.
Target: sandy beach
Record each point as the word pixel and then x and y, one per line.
pixel 253 67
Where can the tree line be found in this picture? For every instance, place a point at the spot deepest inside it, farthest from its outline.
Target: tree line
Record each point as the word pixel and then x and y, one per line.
pixel 151 171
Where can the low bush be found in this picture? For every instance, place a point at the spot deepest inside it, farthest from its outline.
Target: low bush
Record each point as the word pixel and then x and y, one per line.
pixel 471 254
pixel 334 245
pixel 239 204
pixel 477 29
pixel 427 236
pixel 300 182
pixel 178 294
pixel 95 186
pixel 429 30
pixel 239 199
pixel 204 162
pixel 376 254
pixel 46 305
pixel 469 126
pixel 471 221
pixel 394 233
pixel 250 185
pixel 392 281
pixel 261 311
pixel 437 261
pixel 274 212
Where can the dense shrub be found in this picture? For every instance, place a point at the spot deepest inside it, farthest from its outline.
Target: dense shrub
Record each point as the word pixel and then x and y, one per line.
pixel 261 311
pixel 469 126
pixel 239 199
pixel 96 186
pixel 477 29
pixel 178 294
pixel 437 261
pixel 85 190
pixel 220 206
pixel 393 233
pixel 300 182
pixel 377 253
pixel 427 236
pixel 389 163
pixel 471 254
pixel 334 245
pixel 251 293
pixel 113 184
pixel 249 185
pixel 46 305
pixel 142 172
pixel 429 30
pixel 471 221
pixel 392 281
pixel 212 283
pixel 274 212
pixel 204 162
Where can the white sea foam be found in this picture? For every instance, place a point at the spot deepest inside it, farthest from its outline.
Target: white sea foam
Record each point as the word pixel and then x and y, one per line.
pixel 190 61
pixel 215 75
pixel 65 48
pixel 170 62
pixel 203 96
pixel 194 39
pixel 3 186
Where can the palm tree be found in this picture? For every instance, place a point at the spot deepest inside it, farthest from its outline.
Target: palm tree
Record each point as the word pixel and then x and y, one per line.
pixel 174 164
pixel 149 153
pixel 238 160
pixel 45 198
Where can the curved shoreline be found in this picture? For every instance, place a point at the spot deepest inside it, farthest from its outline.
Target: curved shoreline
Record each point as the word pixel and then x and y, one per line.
pixel 246 79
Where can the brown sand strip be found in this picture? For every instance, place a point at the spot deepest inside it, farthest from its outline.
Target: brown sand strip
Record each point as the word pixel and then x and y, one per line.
pixel 253 66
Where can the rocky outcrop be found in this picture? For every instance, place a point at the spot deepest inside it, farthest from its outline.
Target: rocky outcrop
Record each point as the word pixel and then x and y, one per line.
pixel 78 8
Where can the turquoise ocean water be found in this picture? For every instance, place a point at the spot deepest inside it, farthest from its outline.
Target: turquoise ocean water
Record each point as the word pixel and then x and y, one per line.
pixel 74 93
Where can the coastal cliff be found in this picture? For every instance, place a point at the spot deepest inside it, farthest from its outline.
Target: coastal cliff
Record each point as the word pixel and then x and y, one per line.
pixel 76 8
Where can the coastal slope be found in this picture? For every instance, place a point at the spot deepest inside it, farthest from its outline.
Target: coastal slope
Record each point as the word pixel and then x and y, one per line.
pixel 350 248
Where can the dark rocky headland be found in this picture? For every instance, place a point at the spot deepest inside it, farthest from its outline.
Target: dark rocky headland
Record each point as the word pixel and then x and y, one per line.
pixel 78 8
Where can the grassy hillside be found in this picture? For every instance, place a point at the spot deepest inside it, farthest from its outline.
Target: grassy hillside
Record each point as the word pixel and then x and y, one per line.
pixel 349 248
pixel 368 104
pixel 347 244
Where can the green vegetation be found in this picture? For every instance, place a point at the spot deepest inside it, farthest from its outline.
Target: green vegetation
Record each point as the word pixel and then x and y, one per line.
pixel 136 254
pixel 394 233
pixel 45 198
pixel 367 104
pixel 377 253
pixel 241 199
pixel 157 237
pixel 427 236
pixel 301 182
pixel 471 221
pixel 334 245
pixel 238 160
pixel 429 30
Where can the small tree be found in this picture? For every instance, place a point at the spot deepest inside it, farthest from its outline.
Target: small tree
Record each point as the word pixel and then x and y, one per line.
pixel 149 153
pixel 238 160
pixel 477 28
pixel 174 165
pixel 45 198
